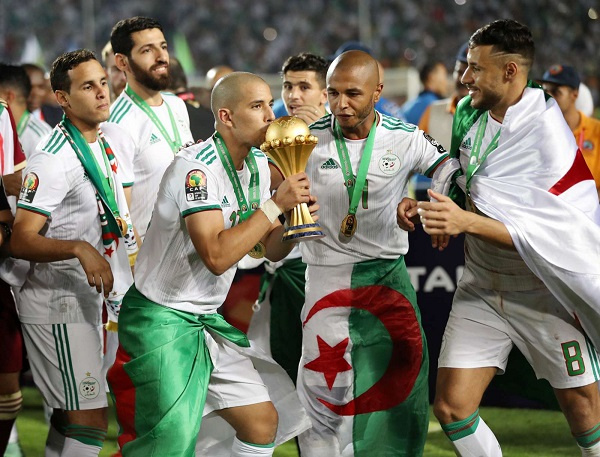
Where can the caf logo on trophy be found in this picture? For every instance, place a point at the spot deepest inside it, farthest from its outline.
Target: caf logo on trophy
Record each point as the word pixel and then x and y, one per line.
pixel 288 144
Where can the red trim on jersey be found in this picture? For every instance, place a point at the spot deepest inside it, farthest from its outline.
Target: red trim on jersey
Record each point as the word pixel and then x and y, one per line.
pixel 123 392
pixel 579 172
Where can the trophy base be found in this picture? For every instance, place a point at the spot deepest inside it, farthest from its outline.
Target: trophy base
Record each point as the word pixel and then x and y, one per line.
pixel 303 232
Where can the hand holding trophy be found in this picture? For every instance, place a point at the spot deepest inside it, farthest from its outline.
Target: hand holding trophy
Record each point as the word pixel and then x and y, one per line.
pixel 288 144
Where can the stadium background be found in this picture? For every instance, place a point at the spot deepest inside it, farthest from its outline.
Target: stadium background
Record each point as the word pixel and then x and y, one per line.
pixel 258 36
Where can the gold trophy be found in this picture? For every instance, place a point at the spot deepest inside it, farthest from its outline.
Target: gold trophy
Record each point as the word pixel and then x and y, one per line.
pixel 288 143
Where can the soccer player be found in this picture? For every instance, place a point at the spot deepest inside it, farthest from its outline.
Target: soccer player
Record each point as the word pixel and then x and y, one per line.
pixel 11 355
pixel 361 322
pixel 177 356
pixel 72 222
pixel 157 121
pixel 562 82
pixel 532 276
pixel 116 77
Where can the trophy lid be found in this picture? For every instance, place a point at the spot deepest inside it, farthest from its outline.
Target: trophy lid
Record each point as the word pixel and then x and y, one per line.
pixel 287 131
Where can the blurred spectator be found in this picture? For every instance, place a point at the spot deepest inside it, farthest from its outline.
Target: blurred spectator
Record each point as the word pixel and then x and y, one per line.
pixel 434 78
pixel 116 78
pixel 216 73
pixel 562 82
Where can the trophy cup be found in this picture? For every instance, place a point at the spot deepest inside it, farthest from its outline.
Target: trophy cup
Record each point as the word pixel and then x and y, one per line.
pixel 288 143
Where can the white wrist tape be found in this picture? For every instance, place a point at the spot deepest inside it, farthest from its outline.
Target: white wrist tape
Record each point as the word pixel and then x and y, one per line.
pixel 271 210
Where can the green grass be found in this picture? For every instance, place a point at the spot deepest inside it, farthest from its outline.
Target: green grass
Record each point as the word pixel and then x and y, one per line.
pixel 522 433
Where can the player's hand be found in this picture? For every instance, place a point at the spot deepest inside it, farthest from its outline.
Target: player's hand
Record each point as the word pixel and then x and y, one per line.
pixel 308 113
pixel 406 214
pixel 440 242
pixel 443 217
pixel 12 183
pixel 292 191
pixel 96 268
pixel 313 207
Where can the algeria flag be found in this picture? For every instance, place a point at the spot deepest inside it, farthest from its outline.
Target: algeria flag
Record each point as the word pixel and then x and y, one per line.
pixel 363 372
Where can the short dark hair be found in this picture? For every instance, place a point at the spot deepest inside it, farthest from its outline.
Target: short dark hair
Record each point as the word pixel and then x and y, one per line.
pixel 508 36
pixel 15 77
pixel 59 74
pixel 307 62
pixel 429 68
pixel 120 37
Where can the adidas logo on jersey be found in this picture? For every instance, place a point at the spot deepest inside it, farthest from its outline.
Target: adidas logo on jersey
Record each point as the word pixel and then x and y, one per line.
pixel 466 144
pixel 329 165
pixel 154 139
pixel 225 202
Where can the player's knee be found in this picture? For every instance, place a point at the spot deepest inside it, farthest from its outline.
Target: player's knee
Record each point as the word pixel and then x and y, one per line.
pixel 442 410
pixel 262 428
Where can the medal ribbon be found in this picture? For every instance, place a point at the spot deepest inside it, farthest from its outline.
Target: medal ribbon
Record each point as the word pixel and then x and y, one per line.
pixel 176 143
pixel 354 184
pixel 475 160
pixel 105 187
pixel 23 122
pixel 254 187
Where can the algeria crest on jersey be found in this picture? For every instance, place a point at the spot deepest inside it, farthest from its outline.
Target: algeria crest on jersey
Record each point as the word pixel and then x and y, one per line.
pixel 389 164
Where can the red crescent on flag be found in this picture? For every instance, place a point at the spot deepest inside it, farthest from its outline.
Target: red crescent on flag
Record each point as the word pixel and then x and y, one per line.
pixel 397 315
pixel 108 237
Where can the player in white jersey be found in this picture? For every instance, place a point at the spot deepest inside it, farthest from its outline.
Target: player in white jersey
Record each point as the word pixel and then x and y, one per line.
pixel 520 286
pixel 213 207
pixel 72 223
pixel 363 158
pixel 157 121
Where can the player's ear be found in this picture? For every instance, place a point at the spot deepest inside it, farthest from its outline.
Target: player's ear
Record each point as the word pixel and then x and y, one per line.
pixel 121 61
pixel 62 98
pixel 225 116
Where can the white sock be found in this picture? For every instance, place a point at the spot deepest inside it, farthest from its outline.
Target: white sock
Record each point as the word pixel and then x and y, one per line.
pixel 74 448
pixel 54 443
pixel 243 449
pixel 593 451
pixel 14 435
pixel 472 437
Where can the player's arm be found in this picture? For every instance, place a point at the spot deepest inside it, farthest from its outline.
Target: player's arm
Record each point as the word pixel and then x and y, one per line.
pixel 221 248
pixel 445 217
pixel 27 243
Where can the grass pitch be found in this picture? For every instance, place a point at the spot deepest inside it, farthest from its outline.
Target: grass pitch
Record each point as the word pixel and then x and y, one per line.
pixel 522 433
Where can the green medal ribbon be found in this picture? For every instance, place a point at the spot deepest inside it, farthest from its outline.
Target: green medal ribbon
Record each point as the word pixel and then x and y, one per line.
pixel 23 122
pixel 176 143
pixel 105 187
pixel 254 187
pixel 475 160
pixel 354 184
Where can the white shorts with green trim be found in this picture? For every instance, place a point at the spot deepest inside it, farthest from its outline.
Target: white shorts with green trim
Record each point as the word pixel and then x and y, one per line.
pixel 484 324
pixel 66 362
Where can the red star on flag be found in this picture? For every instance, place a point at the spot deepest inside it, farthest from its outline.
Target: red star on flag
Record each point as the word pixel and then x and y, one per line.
pixel 114 167
pixel 330 361
pixel 109 251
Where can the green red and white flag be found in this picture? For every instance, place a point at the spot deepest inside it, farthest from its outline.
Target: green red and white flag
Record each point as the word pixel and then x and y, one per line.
pixel 363 373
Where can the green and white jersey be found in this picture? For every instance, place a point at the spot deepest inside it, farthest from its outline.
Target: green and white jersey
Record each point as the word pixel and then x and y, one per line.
pixel 152 152
pixel 31 131
pixel 57 186
pixel 399 150
pixel 168 269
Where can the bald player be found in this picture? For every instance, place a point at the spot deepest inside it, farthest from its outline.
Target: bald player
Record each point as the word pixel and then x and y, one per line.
pixel 363 372
pixel 215 73
pixel 214 206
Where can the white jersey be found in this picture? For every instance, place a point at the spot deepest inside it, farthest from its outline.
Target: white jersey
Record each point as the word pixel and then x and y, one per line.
pixel 57 186
pixel 7 142
pixel 168 269
pixel 399 150
pixel 488 266
pixel 152 152
pixel 31 131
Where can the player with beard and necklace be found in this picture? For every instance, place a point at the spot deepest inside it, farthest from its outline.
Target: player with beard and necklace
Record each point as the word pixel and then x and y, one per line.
pixel 157 121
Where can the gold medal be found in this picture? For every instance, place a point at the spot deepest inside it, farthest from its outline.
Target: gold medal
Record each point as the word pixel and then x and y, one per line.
pixel 348 228
pixel 258 251
pixel 123 226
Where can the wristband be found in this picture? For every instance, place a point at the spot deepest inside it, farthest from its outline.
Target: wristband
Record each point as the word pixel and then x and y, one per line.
pixel 271 210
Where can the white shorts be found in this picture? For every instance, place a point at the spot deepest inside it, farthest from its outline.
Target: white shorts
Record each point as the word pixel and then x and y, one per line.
pixel 234 380
pixel 484 324
pixel 66 362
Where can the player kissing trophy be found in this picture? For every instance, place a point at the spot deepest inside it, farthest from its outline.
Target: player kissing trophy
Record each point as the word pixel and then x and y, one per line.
pixel 288 143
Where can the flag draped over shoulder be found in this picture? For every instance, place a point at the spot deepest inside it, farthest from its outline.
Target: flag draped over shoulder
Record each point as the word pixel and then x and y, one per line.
pixel 538 185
